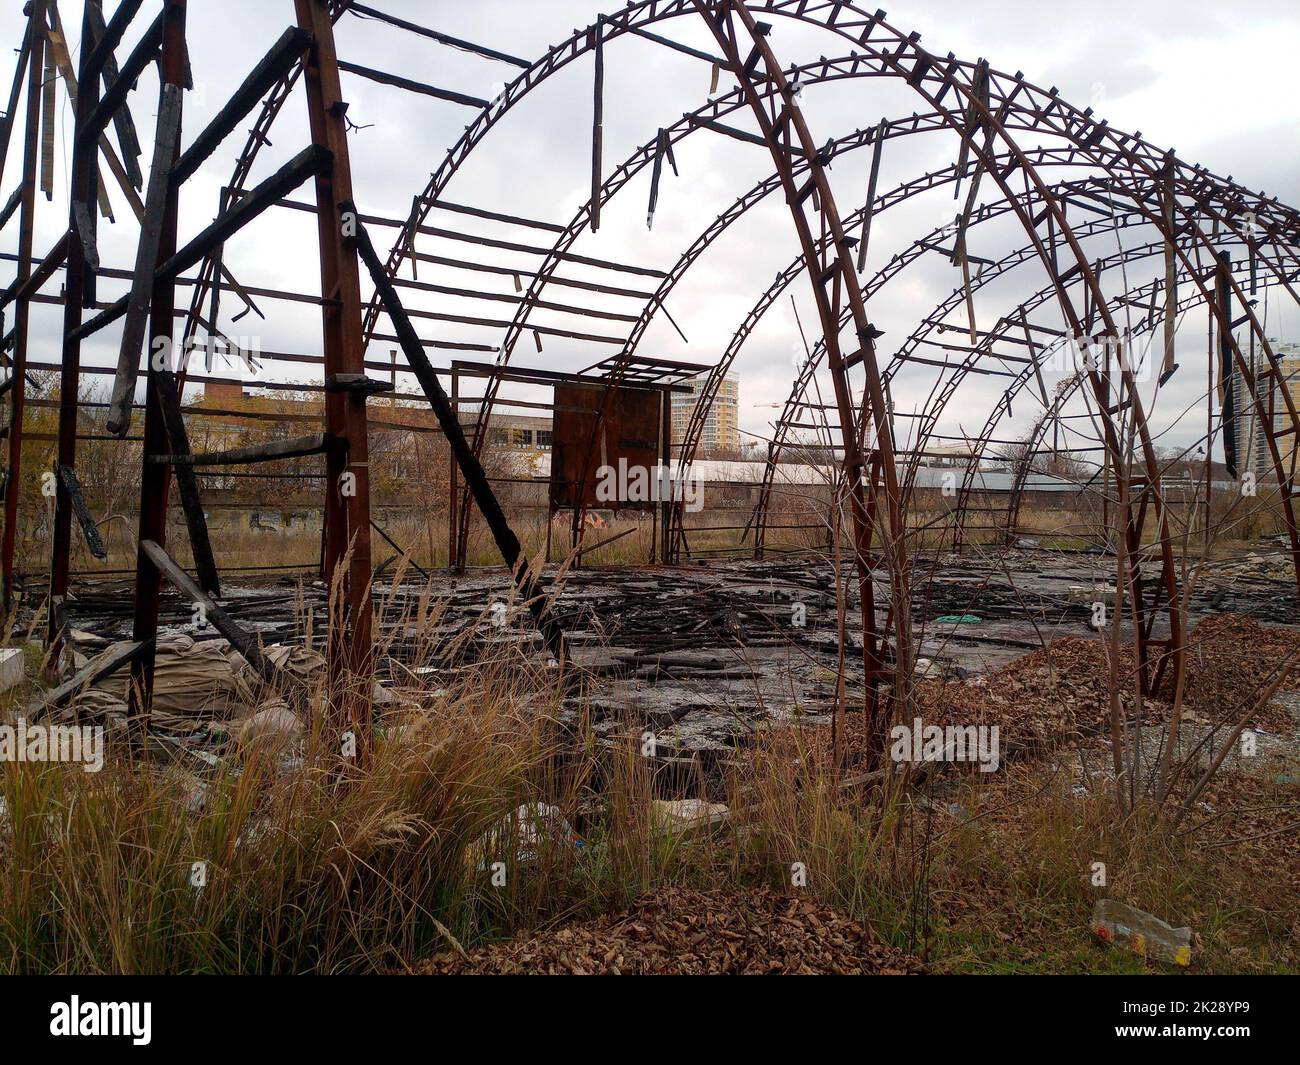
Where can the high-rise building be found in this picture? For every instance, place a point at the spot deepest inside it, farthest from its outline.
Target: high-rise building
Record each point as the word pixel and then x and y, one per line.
pixel 1252 444
pixel 721 426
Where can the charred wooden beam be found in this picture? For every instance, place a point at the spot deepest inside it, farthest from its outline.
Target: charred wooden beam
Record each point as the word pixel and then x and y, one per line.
pixel 676 46
pixel 187 484
pixel 240 639
pixel 869 210
pixel 597 124
pixel 655 174
pixel 68 476
pixel 1167 205
pixel 306 164
pixel 364 11
pixel 272 68
pixel 356 384
pixel 110 38
pixel 1227 384
pixel 410 85
pixel 402 551
pixel 493 216
pixel 501 245
pixel 85 220
pixel 111 105
pixel 43 272
pixel 15 90
pixel 122 122
pixel 735 134
pixel 314 444
pixel 92 673
pixel 475 479
pixel 504 297
pixel 11 206
pixel 146 261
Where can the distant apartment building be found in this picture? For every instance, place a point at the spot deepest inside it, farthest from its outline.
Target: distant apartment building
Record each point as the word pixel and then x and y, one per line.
pixel 721 425
pixel 1252 444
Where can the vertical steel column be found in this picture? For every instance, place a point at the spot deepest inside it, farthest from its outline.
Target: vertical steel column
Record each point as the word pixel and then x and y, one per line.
pixel 22 311
pixel 155 477
pixel 347 506
pixel 78 291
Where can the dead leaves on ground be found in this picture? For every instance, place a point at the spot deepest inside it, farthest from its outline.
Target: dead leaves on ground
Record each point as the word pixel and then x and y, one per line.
pixel 677 931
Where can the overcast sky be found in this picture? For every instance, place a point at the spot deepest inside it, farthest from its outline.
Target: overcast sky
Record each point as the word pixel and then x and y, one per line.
pixel 1216 82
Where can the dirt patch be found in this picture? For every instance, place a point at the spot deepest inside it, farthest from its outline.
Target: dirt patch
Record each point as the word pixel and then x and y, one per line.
pixel 682 932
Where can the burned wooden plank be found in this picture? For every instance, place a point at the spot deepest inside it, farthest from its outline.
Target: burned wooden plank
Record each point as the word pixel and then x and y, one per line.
pixel 108 41
pixel 263 77
pixel 15 90
pixel 11 205
pixel 240 639
pixel 597 125
pixel 187 484
pixel 43 272
pixel 116 86
pixel 451 42
pixel 111 106
pixel 356 384
pixel 86 233
pixel 92 673
pixel 410 85
pixel 68 476
pixel 49 103
pixel 306 164
pixel 401 551
pixel 868 211
pixel 735 134
pixel 471 469
pixel 314 444
pixel 1167 204
pixel 655 174
pixel 146 261
pixel 58 50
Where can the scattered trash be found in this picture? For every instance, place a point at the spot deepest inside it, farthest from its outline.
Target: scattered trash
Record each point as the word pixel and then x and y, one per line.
pixel 689 815
pixel 959 619
pixel 11 667
pixel 1147 935
pixel 526 826
pixel 274 724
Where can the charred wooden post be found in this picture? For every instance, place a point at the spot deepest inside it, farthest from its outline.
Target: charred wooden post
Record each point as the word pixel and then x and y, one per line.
pixel 78 291
pixel 1227 382
pixel 347 467
pixel 155 480
pixel 34 58
pixel 597 123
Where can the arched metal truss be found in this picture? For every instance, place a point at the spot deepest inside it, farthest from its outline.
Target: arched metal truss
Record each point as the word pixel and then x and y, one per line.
pixel 1026 159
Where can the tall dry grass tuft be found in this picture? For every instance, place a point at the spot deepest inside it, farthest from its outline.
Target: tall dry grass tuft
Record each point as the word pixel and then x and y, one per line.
pixel 273 861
